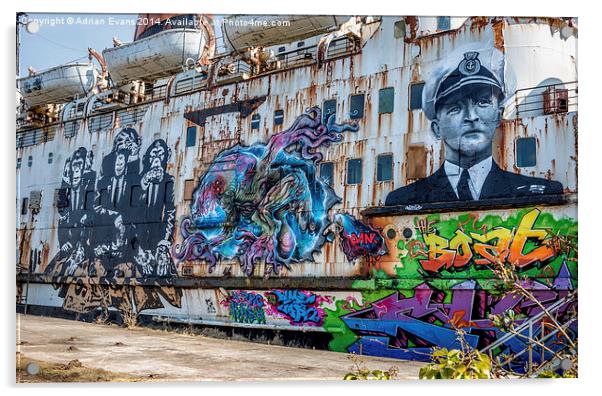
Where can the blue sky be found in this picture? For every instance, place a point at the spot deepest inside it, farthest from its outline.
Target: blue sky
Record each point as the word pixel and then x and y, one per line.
pixel 69 39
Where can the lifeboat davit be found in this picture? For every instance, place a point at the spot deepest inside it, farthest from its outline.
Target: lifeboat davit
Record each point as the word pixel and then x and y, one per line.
pixel 245 31
pixel 59 84
pixel 156 56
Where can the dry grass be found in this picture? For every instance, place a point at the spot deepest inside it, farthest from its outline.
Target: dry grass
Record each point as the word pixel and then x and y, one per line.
pixel 130 319
pixel 74 371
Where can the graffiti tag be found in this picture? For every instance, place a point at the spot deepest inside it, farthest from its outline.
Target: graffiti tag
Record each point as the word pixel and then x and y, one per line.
pixel 497 245
pixel 299 306
pixel 246 307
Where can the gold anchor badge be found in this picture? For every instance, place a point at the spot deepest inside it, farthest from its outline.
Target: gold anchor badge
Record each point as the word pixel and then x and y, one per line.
pixel 470 64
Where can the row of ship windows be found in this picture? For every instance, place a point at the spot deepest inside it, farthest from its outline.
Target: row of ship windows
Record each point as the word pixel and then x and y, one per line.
pixel 386 101
pixel 386 104
pixel 30 160
pixel 384 172
pixel 525 157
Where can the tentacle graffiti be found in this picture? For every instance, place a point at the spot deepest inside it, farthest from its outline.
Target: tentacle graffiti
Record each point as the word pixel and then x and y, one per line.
pixel 266 202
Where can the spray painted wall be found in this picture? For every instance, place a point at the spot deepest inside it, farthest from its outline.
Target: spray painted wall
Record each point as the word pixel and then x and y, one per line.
pixel 389 265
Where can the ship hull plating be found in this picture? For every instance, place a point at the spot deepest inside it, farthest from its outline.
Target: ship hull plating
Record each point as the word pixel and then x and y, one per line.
pixel 274 202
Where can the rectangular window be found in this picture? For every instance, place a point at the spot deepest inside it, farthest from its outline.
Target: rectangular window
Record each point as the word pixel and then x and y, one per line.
pixel 278 117
pixel 386 100
pixel 384 167
pixel 30 161
pixel 356 109
pixel 255 121
pixel 328 108
pixel 399 29
pixel 18 163
pixel 35 199
pixel 354 171
pixel 71 128
pixel 188 189
pixel 24 205
pixel 443 23
pixel 50 158
pixel 555 100
pixel 526 149
pixel 191 136
pixel 416 96
pixel 327 172
pixel 280 53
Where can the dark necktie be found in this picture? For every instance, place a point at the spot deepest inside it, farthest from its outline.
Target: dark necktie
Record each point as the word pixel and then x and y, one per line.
pixel 464 193
pixel 75 199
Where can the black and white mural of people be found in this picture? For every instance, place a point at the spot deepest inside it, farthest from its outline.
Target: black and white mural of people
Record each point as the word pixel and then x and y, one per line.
pixel 156 200
pixel 120 224
pixel 126 139
pixel 75 217
pixel 464 100
pixel 112 206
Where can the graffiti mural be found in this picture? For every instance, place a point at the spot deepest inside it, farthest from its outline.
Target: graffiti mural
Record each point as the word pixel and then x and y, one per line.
pixel 265 202
pixel 464 100
pixel 467 245
pixel 408 327
pixel 121 222
pixel 444 282
pixel 358 239
pixel 84 297
pixel 327 195
pixel 300 307
pixel 246 307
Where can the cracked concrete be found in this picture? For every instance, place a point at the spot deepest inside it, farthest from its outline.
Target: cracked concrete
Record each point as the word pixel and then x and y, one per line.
pixel 171 356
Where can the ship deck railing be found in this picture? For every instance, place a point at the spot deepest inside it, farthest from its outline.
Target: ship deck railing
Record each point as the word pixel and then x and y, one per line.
pixel 545 99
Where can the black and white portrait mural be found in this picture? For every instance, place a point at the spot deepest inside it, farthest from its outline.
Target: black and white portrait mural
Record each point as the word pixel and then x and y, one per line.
pixel 121 222
pixel 464 100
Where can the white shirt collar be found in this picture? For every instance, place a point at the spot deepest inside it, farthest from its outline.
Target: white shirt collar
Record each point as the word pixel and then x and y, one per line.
pixel 478 173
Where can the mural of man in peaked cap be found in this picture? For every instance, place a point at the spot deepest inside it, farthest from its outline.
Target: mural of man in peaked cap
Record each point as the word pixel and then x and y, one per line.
pixel 464 102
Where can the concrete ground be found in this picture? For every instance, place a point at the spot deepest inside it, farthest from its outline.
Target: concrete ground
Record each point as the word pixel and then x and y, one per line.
pixel 157 354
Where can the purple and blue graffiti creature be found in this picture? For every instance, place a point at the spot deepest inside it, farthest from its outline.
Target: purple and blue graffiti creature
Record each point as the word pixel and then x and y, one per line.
pixel 264 202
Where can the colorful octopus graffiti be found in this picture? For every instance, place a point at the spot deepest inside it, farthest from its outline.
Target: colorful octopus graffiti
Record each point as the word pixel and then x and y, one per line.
pixel 265 202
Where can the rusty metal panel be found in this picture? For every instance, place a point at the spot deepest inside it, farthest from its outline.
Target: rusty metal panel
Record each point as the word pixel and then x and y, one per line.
pixel 416 162
pixel 406 134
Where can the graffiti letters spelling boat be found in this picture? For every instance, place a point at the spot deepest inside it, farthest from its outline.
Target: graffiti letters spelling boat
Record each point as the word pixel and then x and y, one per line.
pixel 356 178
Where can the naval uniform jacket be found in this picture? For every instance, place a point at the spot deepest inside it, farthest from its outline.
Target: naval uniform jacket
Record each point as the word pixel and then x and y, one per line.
pixel 498 184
